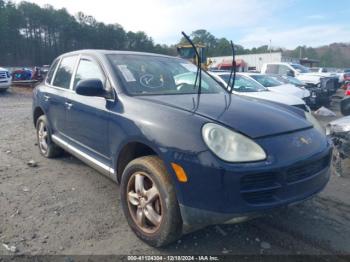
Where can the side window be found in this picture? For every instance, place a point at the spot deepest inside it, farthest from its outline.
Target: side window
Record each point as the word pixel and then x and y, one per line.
pixel 52 71
pixel 88 69
pixel 271 69
pixel 283 70
pixel 64 72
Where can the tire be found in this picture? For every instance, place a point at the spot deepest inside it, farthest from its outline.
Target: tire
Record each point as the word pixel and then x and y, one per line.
pixel 50 150
pixel 345 106
pixel 165 207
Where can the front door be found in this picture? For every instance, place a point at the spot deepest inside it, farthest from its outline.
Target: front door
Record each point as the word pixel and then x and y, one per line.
pixel 88 117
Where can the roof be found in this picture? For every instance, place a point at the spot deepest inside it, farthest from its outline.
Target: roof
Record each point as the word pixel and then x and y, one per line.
pixel 111 52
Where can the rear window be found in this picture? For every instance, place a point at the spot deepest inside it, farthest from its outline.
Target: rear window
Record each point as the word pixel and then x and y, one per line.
pixel 52 71
pixel 64 72
pixel 266 81
pixel 243 84
pixel 271 69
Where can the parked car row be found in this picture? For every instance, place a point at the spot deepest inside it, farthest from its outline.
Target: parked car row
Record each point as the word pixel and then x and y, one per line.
pixel 5 79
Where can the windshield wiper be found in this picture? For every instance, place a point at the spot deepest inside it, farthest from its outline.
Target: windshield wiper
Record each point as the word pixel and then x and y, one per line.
pixel 233 70
pixel 199 64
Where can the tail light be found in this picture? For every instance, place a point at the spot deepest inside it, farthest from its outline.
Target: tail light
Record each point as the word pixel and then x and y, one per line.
pixel 347 92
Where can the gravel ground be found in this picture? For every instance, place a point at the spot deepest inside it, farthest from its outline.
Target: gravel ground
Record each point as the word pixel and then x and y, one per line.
pixel 63 206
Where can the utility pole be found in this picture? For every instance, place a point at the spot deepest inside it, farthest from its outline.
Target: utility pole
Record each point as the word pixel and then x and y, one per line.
pixel 270 46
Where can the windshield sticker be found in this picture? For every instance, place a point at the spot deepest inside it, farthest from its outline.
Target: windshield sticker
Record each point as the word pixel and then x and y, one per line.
pixel 189 67
pixel 128 76
pixel 150 81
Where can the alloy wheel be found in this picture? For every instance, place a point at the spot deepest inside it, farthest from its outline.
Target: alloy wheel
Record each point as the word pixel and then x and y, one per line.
pixel 144 202
pixel 43 137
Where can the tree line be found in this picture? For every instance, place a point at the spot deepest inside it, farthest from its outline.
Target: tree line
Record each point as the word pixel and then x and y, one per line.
pixel 34 35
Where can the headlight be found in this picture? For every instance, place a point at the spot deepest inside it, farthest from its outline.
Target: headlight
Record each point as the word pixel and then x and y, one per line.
pixel 314 122
pixel 231 146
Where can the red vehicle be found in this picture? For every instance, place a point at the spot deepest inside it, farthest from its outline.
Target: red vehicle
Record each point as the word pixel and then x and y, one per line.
pixel 347 90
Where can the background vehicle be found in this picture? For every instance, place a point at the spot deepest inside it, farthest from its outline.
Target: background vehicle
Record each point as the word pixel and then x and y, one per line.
pixel 27 76
pixel 319 96
pixel 186 51
pixel 345 106
pixel 187 155
pixel 245 86
pixel 5 79
pixel 277 86
pixel 303 73
pixel 339 132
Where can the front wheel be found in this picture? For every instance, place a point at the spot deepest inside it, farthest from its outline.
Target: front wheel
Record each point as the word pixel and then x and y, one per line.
pixel 149 201
pixel 46 147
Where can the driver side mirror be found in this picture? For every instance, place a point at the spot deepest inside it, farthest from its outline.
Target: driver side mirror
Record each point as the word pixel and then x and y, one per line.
pixel 90 87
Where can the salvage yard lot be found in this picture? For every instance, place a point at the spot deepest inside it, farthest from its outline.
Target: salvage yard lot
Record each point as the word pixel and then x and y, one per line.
pixel 63 206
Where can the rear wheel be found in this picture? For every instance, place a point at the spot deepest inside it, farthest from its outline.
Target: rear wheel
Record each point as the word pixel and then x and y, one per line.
pixel 149 201
pixel 46 147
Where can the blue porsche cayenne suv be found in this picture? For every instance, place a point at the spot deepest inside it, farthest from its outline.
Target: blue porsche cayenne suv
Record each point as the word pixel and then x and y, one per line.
pixel 184 158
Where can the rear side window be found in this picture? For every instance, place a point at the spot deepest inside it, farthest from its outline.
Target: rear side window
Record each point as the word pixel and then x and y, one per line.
pixel 52 71
pixel 64 72
pixel 271 69
pixel 88 69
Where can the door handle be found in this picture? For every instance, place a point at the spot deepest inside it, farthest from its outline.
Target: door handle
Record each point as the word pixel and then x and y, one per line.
pixel 46 98
pixel 68 105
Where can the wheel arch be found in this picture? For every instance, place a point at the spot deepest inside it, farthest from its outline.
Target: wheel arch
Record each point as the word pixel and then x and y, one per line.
pixel 38 112
pixel 131 150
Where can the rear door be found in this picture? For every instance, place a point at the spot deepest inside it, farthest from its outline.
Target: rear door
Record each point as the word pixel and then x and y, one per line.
pixel 88 117
pixel 58 86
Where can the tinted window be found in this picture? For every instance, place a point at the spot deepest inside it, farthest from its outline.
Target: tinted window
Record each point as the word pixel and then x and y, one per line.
pixel 158 75
pixel 64 72
pixel 88 69
pixel 52 71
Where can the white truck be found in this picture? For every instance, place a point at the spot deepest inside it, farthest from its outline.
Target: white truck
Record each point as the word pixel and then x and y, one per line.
pixel 304 74
pixel 5 79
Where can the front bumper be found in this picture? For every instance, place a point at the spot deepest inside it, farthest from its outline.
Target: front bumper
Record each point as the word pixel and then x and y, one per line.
pixel 4 84
pixel 219 192
pixel 194 218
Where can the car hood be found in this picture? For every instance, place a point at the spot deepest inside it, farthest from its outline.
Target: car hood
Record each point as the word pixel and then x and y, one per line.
pixel 3 69
pixel 289 89
pixel 275 97
pixel 312 78
pixel 248 116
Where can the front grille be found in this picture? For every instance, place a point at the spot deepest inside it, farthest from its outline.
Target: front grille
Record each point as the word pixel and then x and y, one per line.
pixel 263 188
pixel 259 188
pixel 298 173
pixel 3 75
pixel 258 181
pixel 328 83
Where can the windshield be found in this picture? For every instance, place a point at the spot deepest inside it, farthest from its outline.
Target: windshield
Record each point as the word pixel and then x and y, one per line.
pixel 266 81
pixel 243 84
pixel 300 68
pixel 294 81
pixel 157 75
